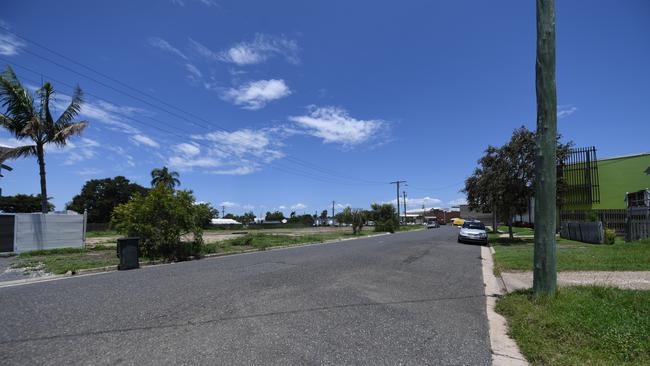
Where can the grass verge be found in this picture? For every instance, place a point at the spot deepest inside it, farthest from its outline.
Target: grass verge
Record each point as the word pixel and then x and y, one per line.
pixel 585 325
pixel 574 256
pixel 60 261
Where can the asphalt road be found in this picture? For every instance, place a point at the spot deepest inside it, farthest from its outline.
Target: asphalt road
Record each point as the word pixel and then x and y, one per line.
pixel 411 298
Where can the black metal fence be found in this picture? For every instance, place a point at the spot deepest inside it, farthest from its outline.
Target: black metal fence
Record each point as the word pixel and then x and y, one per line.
pixel 579 174
pixel 633 224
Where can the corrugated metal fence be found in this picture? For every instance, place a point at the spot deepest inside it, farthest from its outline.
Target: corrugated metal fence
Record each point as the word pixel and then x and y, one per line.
pixel 47 231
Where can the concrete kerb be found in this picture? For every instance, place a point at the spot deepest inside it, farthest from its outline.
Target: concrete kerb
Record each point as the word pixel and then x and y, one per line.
pixel 504 349
pixel 99 270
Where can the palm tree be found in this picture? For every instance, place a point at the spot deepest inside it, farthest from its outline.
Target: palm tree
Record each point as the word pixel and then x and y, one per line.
pixel 164 177
pixel 26 120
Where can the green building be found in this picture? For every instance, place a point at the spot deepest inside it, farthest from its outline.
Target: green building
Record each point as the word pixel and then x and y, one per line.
pixel 603 183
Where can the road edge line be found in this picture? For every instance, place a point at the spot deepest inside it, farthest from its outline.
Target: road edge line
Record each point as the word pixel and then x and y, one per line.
pixel 505 351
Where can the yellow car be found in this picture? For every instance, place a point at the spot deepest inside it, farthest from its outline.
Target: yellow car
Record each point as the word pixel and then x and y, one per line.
pixel 457 221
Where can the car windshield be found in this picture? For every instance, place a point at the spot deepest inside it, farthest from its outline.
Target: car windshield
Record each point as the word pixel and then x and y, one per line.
pixel 474 225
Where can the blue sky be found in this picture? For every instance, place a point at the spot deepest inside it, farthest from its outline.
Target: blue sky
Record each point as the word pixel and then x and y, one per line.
pixel 263 105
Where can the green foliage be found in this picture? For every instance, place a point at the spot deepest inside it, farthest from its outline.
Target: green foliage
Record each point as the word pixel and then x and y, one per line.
pixel 610 236
pixel 354 217
pixel 591 216
pixel 305 220
pixel 384 216
pixel 274 216
pixel 504 179
pixel 586 325
pixel 205 213
pixel 159 219
pixel 28 116
pixel 22 203
pixel 323 214
pixel 100 196
pixel 165 178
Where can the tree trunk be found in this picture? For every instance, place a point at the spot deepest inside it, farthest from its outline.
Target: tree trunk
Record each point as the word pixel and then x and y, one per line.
pixel 510 232
pixel 40 154
pixel 544 266
pixel 494 219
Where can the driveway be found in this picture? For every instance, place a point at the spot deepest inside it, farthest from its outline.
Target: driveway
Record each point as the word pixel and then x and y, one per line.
pixel 410 298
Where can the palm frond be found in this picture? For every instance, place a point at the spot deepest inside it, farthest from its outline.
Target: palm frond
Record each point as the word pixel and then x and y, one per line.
pixel 63 132
pixel 16 100
pixel 45 93
pixel 17 152
pixel 73 109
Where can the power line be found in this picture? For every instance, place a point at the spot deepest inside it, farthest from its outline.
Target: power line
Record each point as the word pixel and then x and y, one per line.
pixel 275 165
pixel 296 160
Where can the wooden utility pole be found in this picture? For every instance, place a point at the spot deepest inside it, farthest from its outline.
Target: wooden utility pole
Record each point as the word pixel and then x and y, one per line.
pixel 404 193
pixel 398 182
pixel 544 266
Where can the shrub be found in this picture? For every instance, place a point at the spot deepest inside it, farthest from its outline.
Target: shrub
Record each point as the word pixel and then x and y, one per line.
pixel 610 236
pixel 591 216
pixel 160 218
pixel 385 217
pixel 246 240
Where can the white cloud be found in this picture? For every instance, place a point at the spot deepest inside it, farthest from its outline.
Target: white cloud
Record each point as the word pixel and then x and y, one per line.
pixel 415 202
pixel 12 142
pixel 282 207
pixel 342 205
pixel 144 140
pixel 195 73
pixel 89 172
pixel 166 46
pixel 188 149
pixel 299 206
pixel 208 3
pixel 228 204
pixel 10 45
pixel 255 94
pixel 334 125
pixel 458 202
pixel 239 152
pixel 260 49
pixel 85 149
pixel 565 110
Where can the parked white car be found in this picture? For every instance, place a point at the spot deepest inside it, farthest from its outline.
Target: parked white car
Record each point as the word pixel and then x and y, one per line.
pixel 473 232
pixel 432 224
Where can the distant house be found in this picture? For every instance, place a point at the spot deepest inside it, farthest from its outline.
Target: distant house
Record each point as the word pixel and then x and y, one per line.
pixel 225 222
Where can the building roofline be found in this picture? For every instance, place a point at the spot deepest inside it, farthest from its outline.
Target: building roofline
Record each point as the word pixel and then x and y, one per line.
pixel 625 156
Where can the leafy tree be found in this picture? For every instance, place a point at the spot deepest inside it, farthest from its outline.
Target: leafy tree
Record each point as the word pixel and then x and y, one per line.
pixel 229 216
pixel 22 203
pixel 100 196
pixel 274 216
pixel 503 182
pixel 306 220
pixel 160 218
pixel 205 213
pixel 246 218
pixel 354 217
pixel 29 120
pixel 323 214
pixel 165 177
pixel 384 216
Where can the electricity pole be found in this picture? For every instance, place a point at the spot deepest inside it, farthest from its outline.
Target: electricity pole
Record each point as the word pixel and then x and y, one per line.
pixel 404 193
pixel 398 182
pixel 544 266
pixel 223 211
pixel 332 210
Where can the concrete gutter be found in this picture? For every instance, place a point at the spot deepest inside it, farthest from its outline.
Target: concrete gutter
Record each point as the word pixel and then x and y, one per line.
pixel 505 351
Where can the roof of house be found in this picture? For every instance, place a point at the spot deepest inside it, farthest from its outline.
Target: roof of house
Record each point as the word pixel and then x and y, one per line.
pixel 225 222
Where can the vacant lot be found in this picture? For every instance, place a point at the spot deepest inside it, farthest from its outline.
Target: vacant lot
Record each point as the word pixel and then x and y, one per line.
pixel 101 252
